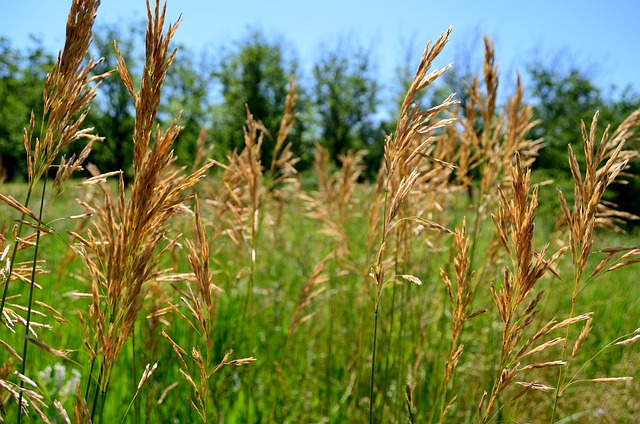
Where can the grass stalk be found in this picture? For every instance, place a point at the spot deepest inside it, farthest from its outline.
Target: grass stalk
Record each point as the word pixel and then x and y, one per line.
pixel 373 362
pixel 564 370
pixel 25 346
pixel 14 251
pixel 402 153
pixel 250 312
pixel 329 359
pixel 134 372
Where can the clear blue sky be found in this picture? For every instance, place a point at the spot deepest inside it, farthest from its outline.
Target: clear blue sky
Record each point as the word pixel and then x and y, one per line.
pixel 601 37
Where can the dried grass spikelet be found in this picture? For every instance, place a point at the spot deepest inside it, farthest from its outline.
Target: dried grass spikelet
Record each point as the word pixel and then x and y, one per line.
pixel 460 294
pixel 201 387
pixel 535 386
pixel 282 183
pixel 68 90
pixel 202 150
pixel 200 303
pixel 416 138
pixel 434 186
pixel 488 138
pixel 403 151
pixel 483 106
pixel 605 161
pixel 574 379
pixel 501 135
pixel 237 198
pixel 64 415
pixel 515 226
pixel 311 289
pixel 283 159
pixel 146 375
pixel 412 136
pixel 519 123
pixel 25 397
pixel 410 143
pixel 332 202
pixel 586 329
pixel 122 249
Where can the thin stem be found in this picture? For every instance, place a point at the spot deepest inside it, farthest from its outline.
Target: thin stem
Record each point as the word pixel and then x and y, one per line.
pixel 442 400
pixel 393 309
pixel 95 394
pixel 562 372
pixel 477 224
pixel 373 362
pixel 252 276
pixel 409 407
pixel 25 346
pixel 330 358
pixel 86 393
pixel 134 401
pixel 359 348
pixel 205 391
pixel 379 285
pixel 504 356
pixel 15 251
pixel 104 401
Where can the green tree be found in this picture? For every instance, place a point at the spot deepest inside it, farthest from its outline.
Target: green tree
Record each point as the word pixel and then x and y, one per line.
pixel 627 196
pixel 112 113
pixel 187 90
pixel 346 99
pixel 255 73
pixel 21 83
pixel 561 100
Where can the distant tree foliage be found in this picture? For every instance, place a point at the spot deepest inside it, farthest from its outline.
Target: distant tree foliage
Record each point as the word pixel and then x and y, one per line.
pixel 561 100
pixel 21 83
pixel 346 98
pixel 185 92
pixel 254 74
pixel 339 105
pixel 113 113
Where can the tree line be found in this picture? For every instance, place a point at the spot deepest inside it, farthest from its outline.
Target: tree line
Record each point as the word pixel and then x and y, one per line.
pixel 339 104
pixel 336 109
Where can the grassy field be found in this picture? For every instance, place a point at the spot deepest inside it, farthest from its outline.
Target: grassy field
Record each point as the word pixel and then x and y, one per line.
pixel 230 293
pixel 312 328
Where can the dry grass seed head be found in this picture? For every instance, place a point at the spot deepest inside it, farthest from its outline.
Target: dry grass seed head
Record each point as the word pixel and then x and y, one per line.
pixel 515 225
pixel 414 125
pixel 283 158
pixel 67 94
pixel 603 164
pixel 124 255
pixel 198 257
pixel 333 202
pixel 311 289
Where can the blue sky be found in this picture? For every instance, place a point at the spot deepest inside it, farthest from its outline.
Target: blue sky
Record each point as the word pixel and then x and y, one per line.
pixel 601 37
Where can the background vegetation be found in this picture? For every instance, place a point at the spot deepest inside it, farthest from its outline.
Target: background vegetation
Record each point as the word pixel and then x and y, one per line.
pixel 269 269
pixel 339 106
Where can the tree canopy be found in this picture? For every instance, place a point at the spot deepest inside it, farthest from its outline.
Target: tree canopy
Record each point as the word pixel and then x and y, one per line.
pixel 339 103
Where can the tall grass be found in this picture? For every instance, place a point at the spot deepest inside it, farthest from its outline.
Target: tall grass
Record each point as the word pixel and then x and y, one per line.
pixel 349 302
